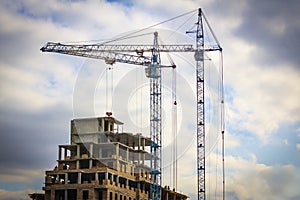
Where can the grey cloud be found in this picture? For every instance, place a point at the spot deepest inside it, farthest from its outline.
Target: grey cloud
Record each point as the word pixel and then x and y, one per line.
pixel 29 140
pixel 273 26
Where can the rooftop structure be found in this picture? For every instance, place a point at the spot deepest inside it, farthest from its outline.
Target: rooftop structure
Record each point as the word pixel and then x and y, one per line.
pixel 103 162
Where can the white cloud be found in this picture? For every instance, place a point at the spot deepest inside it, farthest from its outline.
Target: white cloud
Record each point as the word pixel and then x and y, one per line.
pixel 249 179
pixel 245 178
pixel 258 91
pixel 298 146
pixel 231 141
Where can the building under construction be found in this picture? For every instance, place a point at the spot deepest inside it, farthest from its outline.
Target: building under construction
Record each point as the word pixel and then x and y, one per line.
pixel 103 162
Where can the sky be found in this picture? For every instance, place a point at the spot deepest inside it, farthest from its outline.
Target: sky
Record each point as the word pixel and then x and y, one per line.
pixel 41 92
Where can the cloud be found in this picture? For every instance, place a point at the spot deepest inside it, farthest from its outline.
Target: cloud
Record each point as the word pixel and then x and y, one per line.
pixel 232 141
pixel 285 142
pixel 258 181
pixel 16 195
pixel 270 90
pixel 298 130
pixel 20 175
pixel 245 178
pixel 272 26
pixel 298 146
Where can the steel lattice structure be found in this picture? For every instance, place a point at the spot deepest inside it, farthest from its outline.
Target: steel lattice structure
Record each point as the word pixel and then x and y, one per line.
pixel 199 58
pixel 155 122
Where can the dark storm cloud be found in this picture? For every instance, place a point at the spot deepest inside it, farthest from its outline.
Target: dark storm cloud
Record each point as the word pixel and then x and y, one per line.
pixel 273 26
pixel 29 140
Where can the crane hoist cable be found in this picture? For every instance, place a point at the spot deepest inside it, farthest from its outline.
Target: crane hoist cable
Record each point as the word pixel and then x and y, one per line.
pixel 124 38
pixel 174 125
pixel 180 26
pixel 221 68
pixel 149 27
pixel 173 166
pixel 109 87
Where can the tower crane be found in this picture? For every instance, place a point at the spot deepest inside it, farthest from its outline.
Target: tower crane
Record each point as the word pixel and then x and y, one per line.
pixel 134 54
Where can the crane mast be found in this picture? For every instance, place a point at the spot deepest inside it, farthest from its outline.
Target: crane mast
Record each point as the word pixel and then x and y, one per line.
pixel 155 121
pixel 134 54
pixel 199 58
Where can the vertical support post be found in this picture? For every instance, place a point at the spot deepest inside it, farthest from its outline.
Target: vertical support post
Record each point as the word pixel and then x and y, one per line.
pixel 139 148
pixel 65 153
pixel 117 180
pixel 96 176
pixel 91 156
pixel 155 122
pixel 66 193
pixel 91 150
pixel 77 164
pixel 199 57
pixel 102 125
pixel 79 177
pixel 66 178
pixel 59 152
pixel 127 154
pixel 78 151
pixel 118 157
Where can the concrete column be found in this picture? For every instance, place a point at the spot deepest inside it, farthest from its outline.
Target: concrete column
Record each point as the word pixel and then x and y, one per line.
pixel 78 150
pixel 106 175
pixel 66 151
pixel 77 164
pixel 139 141
pixel 91 150
pixel 112 178
pixel 90 164
pixel 117 154
pixel 96 176
pixel 79 194
pixel 59 153
pixel 66 194
pixel 79 177
pixel 117 179
pixel 143 143
pixel 102 125
pixel 139 148
pixel 66 178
